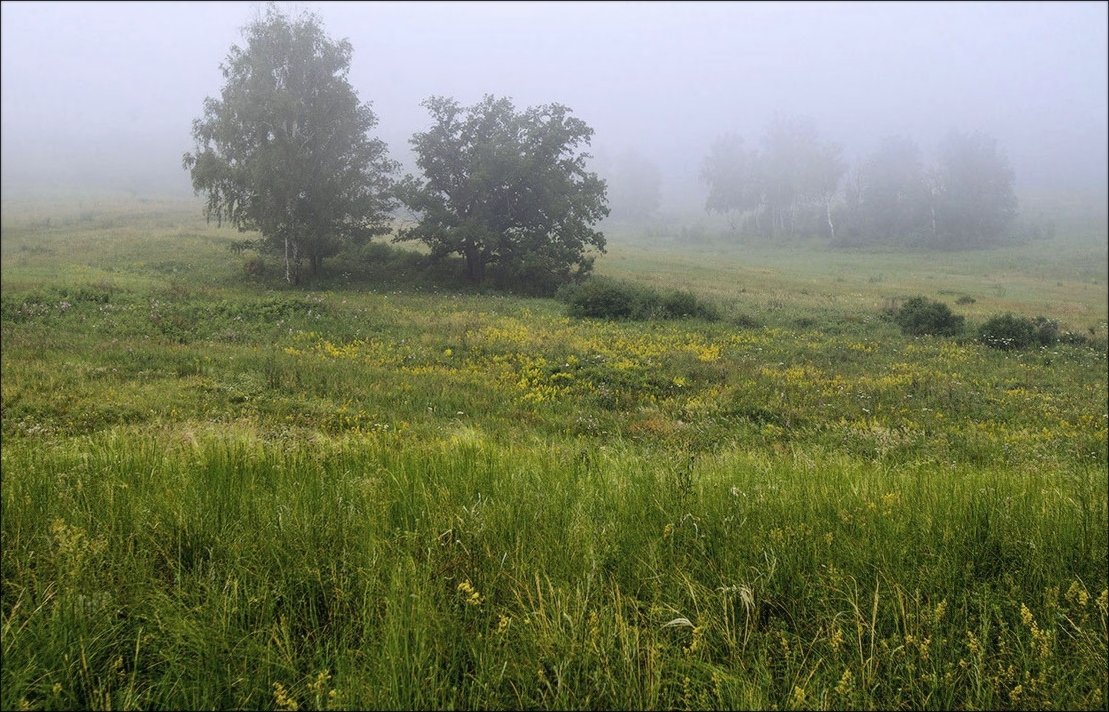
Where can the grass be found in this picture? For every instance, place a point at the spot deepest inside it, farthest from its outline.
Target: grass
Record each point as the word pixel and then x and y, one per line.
pixel 386 492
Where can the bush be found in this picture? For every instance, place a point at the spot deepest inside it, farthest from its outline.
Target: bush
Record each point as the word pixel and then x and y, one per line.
pixel 254 265
pixel 603 300
pixel 920 316
pixel 610 299
pixel 1011 332
pixel 1008 332
pixel 1074 338
pixel 684 304
pixel 1047 330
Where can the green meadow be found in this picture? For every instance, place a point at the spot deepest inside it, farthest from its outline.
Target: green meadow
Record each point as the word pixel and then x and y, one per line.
pixel 387 489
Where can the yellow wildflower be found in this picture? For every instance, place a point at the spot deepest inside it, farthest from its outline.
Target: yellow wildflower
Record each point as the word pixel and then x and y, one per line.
pixel 282 700
pixel 470 594
pixel 843 687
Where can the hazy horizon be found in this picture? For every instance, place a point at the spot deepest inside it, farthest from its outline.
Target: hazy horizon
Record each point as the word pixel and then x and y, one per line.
pixel 103 95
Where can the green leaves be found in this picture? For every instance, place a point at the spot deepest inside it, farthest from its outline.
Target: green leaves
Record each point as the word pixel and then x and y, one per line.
pixel 507 189
pixel 286 149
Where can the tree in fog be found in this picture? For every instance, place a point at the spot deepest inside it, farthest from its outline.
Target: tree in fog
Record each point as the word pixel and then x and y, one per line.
pixel 506 189
pixel 634 187
pixel 894 200
pixel 731 173
pixel 286 149
pixel 975 200
pixel 800 174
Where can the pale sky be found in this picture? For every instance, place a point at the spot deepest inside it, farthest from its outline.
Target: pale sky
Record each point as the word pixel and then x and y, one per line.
pixel 104 94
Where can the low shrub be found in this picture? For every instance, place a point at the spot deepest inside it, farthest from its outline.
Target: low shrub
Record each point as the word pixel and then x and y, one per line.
pixel 603 299
pixel 254 265
pixel 600 298
pixel 921 316
pixel 1008 332
pixel 684 304
pixel 1047 330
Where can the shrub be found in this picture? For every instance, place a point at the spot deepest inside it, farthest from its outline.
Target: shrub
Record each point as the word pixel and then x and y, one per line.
pixel 603 299
pixel 609 299
pixel 254 265
pixel 1008 332
pixel 920 316
pixel 966 299
pixel 1074 338
pixel 1047 330
pixel 684 304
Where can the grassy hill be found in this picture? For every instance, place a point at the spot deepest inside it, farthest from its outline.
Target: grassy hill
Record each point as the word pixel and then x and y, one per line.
pixel 389 490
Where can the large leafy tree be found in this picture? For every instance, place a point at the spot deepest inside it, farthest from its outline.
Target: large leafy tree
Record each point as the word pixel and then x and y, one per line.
pixel 731 173
pixel 286 148
pixel 976 203
pixel 894 197
pixel 790 181
pixel 800 173
pixel 508 189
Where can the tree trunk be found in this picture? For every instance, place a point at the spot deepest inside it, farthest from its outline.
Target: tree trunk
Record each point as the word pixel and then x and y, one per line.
pixel 828 213
pixel 288 277
pixel 475 266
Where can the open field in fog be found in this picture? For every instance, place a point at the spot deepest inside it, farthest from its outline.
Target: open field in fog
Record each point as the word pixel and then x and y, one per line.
pixel 385 490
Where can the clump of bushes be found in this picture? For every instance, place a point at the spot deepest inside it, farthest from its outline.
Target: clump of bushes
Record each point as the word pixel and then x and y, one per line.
pixel 254 265
pixel 921 316
pixel 1010 332
pixel 611 299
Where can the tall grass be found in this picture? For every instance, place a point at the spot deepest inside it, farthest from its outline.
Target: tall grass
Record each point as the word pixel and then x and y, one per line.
pixel 205 572
pixel 221 493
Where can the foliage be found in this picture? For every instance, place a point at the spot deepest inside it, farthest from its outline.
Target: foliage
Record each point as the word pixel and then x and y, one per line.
pixel 890 200
pixel 800 173
pixel 731 173
pixel 507 189
pixel 788 185
pixel 975 202
pixel 285 149
pixel 785 187
pixel 1009 332
pixel 1047 330
pixel 611 299
pixel 920 316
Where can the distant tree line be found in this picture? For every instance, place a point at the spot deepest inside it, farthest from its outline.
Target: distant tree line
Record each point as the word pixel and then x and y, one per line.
pixel 795 184
pixel 286 151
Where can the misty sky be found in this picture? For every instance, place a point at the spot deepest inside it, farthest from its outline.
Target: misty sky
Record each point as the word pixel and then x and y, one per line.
pixel 103 94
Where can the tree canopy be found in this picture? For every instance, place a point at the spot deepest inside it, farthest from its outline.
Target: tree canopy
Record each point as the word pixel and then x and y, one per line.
pixel 976 201
pixel 286 149
pixel 731 173
pixel 506 189
pixel 786 186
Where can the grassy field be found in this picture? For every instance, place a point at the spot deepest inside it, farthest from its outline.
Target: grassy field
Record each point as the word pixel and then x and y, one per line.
pixel 386 490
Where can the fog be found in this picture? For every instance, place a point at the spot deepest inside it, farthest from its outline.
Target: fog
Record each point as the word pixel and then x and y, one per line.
pixel 101 96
